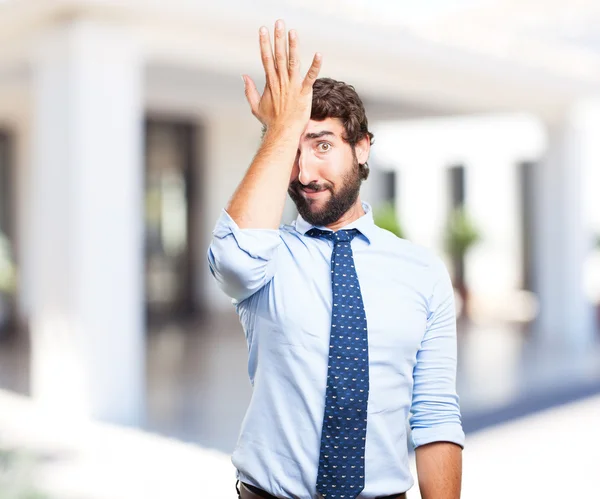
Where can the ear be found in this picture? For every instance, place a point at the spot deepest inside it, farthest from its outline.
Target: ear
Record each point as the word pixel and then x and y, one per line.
pixel 362 148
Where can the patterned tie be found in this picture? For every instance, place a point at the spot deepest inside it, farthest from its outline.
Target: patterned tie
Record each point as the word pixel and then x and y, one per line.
pixel 342 457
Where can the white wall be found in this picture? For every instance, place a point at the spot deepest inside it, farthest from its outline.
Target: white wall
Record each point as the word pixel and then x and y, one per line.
pixel 494 265
pixel 232 139
pixel 490 149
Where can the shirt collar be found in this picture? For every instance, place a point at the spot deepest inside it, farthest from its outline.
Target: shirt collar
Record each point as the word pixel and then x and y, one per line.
pixel 364 224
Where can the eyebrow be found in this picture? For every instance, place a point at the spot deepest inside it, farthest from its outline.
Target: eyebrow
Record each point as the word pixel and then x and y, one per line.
pixel 317 135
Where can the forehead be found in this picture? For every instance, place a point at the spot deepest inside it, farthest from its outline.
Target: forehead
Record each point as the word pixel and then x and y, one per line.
pixel 330 124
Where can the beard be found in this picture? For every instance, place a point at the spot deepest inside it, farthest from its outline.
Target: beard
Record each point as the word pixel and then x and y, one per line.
pixel 338 204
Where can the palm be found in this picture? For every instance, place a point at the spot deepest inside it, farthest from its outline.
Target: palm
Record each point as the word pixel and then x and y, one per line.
pixel 286 97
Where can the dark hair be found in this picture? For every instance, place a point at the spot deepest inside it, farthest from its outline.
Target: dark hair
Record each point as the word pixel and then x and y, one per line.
pixel 336 99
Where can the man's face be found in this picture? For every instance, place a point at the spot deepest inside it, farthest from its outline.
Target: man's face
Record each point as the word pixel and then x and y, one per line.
pixel 325 180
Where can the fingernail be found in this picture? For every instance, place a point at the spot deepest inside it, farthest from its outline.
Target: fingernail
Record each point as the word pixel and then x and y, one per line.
pixel 279 24
pixel 244 80
pixel 263 30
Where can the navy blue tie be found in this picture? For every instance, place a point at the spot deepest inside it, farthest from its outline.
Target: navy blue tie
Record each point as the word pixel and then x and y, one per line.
pixel 341 471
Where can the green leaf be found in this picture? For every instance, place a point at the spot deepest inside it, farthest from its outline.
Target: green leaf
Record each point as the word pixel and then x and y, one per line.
pixel 386 218
pixel 461 233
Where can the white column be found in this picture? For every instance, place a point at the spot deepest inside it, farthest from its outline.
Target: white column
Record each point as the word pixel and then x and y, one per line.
pixel 422 199
pixel 491 202
pixel 562 237
pixel 87 224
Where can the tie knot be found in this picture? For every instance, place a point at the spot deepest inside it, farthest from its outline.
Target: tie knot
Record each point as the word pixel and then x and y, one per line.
pixel 341 236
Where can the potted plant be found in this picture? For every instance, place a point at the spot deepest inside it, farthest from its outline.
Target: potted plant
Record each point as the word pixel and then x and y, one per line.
pixel 385 217
pixel 460 235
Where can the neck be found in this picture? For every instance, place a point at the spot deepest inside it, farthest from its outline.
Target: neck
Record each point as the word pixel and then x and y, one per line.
pixel 354 213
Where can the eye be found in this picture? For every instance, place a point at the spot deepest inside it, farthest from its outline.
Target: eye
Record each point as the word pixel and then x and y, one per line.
pixel 323 146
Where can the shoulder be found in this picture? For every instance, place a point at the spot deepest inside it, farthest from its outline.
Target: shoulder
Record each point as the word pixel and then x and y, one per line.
pixel 428 263
pixel 419 254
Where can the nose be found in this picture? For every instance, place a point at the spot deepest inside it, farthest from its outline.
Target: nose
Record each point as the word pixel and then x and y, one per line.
pixel 307 172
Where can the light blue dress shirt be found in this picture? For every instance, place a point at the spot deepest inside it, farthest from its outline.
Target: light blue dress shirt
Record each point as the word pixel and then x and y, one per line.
pixel 280 282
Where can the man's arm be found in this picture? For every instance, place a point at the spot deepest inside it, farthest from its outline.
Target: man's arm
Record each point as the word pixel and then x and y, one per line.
pixel 284 109
pixel 435 421
pixel 243 254
pixel 439 467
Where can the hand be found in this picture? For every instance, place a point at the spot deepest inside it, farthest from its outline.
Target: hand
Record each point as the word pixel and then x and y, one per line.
pixel 286 99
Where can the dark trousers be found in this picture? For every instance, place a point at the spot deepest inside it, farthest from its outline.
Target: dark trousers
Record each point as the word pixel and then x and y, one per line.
pixel 246 491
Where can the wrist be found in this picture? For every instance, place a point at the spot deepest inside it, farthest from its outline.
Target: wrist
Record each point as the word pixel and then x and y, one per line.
pixel 283 131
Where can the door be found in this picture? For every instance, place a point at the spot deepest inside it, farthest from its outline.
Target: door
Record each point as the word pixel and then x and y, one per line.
pixel 169 204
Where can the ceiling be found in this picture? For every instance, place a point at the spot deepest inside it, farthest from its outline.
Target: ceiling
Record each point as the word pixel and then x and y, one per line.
pixel 427 57
pixel 559 35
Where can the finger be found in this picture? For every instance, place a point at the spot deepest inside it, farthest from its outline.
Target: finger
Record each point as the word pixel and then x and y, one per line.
pixel 252 94
pixel 266 54
pixel 281 58
pixel 313 73
pixel 294 58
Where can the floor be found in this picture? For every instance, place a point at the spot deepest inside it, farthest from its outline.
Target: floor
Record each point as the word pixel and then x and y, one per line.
pixel 198 388
pixel 550 454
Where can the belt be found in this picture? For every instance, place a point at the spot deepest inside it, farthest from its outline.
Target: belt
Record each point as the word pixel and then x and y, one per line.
pixel 251 492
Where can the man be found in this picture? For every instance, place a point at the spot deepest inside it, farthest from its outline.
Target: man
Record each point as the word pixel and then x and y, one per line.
pixel 348 327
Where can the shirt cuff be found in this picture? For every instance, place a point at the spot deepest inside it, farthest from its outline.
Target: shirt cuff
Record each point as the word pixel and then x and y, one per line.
pixel 448 432
pixel 257 243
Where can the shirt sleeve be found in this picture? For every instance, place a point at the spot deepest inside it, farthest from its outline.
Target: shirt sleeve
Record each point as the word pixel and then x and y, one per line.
pixel 242 260
pixel 435 413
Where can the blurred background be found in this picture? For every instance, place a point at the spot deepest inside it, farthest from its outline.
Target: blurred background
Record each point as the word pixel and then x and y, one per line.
pixel 124 131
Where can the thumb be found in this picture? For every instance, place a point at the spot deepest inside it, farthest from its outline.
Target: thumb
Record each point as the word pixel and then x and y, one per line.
pixel 252 94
